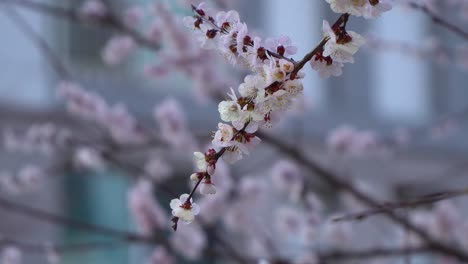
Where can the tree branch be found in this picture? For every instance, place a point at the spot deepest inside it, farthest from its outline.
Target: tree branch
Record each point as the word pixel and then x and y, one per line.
pixel 392 206
pixel 439 20
pixel 125 236
pixel 74 15
pixel 334 180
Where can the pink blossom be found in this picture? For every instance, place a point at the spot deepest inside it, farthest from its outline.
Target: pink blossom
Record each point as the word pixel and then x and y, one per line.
pixel 88 158
pixel 158 169
pixel 118 49
pixel 93 9
pixel 189 241
pixel 11 255
pixel 148 214
pixel 288 221
pixel 133 16
pixel 173 125
pixel 160 256
pixel 337 234
pixel 213 207
pixel 282 45
pixel 287 178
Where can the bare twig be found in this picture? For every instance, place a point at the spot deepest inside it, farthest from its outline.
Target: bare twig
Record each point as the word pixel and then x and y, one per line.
pixel 125 236
pixel 440 20
pixel 54 60
pixel 337 182
pixel 392 206
pixel 74 15
pixel 44 247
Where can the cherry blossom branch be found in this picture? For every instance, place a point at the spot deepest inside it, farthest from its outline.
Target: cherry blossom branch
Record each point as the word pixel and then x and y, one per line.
pixel 74 15
pixel 125 236
pixel 341 36
pixel 214 159
pixel 392 206
pixel 238 44
pixel 29 32
pixel 58 248
pixel 63 72
pixel 136 169
pixel 332 179
pixel 341 21
pixel 440 20
pixel 336 181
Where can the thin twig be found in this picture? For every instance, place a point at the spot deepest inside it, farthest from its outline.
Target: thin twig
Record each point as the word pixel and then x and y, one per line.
pixel 74 15
pixel 440 20
pixel 126 236
pixel 392 206
pixel 31 247
pixel 337 182
pixel 55 62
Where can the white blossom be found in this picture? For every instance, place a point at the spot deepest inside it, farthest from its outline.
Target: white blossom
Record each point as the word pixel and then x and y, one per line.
pixel 229 111
pixel 325 68
pixel 223 136
pixel 341 52
pixel 200 161
pixel 207 188
pixel 365 8
pixel 184 211
pixel 282 45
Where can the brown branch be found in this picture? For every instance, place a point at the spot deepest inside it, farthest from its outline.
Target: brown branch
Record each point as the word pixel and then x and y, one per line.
pixel 322 173
pixel 342 20
pixel 75 16
pixel 337 182
pixel 29 32
pixel 439 20
pixel 392 206
pixel 31 247
pixel 125 236
pixel 299 65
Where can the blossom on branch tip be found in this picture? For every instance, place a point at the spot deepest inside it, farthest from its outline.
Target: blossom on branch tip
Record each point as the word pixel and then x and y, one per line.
pixel 282 45
pixel 229 110
pixel 365 8
pixel 93 10
pixel 325 66
pixel 223 136
pixel 117 49
pixel 342 44
pixel 184 209
pixel 145 210
pixel 197 176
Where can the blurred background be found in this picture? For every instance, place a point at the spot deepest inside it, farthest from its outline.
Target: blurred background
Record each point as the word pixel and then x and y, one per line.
pixel 407 88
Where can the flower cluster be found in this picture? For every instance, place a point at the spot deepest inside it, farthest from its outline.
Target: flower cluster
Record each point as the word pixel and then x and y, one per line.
pixel 343 44
pixel 340 48
pixel 183 208
pixel 260 99
pixel 116 119
pixel 364 8
pixel 265 94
